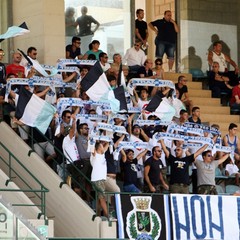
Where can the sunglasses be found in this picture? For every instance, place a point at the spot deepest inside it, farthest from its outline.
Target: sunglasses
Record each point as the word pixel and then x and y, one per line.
pixel 177 150
pixel 158 64
pixel 86 128
pixel 137 45
pixel 209 155
pixel 78 42
pixel 68 117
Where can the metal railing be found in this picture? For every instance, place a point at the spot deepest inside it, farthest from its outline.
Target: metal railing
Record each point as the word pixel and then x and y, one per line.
pixel 14 165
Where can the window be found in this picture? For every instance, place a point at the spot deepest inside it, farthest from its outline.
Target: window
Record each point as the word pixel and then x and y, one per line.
pixel 114 18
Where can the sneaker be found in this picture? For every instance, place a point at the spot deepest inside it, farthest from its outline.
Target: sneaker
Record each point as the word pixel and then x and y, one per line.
pixel 112 219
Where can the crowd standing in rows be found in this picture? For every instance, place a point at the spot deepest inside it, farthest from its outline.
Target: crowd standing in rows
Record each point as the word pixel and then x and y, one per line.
pixel 141 169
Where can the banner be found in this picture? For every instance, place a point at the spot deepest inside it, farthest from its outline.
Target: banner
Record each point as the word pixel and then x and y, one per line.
pixel 205 217
pixel 142 216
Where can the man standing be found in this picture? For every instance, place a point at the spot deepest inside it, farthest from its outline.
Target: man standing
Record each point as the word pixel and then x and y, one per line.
pixel 32 53
pixel 179 176
pixel 141 29
pixel 84 23
pixel 153 177
pixel 86 168
pixel 206 172
pixel 2 68
pixel 15 68
pixel 2 78
pixel 166 30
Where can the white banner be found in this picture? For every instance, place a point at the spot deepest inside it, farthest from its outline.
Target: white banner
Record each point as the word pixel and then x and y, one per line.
pixel 205 217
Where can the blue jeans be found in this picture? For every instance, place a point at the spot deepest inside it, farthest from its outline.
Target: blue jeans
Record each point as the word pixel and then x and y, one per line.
pixel 131 188
pixel 164 47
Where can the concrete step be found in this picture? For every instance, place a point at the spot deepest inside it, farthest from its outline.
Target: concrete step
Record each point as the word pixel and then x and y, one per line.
pixel 224 125
pixel 218 118
pixel 207 101
pixel 199 93
pixel 193 85
pixel 214 109
pixel 174 76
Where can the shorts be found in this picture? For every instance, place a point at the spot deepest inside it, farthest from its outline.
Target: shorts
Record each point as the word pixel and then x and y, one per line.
pixel 44 147
pixel 100 187
pixel 164 47
pixel 207 189
pixel 179 188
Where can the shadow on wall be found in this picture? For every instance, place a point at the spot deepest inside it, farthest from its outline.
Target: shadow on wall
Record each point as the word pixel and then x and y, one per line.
pixel 192 63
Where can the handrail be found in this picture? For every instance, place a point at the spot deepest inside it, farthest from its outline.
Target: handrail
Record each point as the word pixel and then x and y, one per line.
pixel 43 190
pixel 33 141
pixel 96 190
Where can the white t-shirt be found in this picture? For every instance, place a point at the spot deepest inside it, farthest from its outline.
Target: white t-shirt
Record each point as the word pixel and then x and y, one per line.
pixel 105 67
pixel 99 167
pixel 232 169
pixel 70 149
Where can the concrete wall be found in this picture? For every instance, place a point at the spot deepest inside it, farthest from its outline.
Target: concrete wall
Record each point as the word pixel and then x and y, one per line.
pixel 46 22
pixel 5 18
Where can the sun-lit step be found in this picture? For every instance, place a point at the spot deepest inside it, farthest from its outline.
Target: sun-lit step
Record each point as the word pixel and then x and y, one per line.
pixel 214 109
pixel 199 93
pixel 217 118
pixel 206 101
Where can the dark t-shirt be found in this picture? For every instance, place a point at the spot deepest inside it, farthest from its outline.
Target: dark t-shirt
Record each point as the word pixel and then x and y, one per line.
pixel 84 23
pixel 111 163
pixel 130 172
pixel 142 70
pixel 2 73
pixel 73 55
pixel 191 120
pixel 166 31
pixel 182 90
pixel 179 168
pixel 215 83
pixel 142 28
pixel 7 106
pixel 155 169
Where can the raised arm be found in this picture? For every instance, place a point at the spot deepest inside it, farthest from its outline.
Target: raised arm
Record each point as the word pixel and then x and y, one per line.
pixel 105 147
pixel 141 154
pixel 124 156
pixel 144 135
pixel 175 25
pixel 223 158
pixel 200 150
pixel 167 153
pixel 119 140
